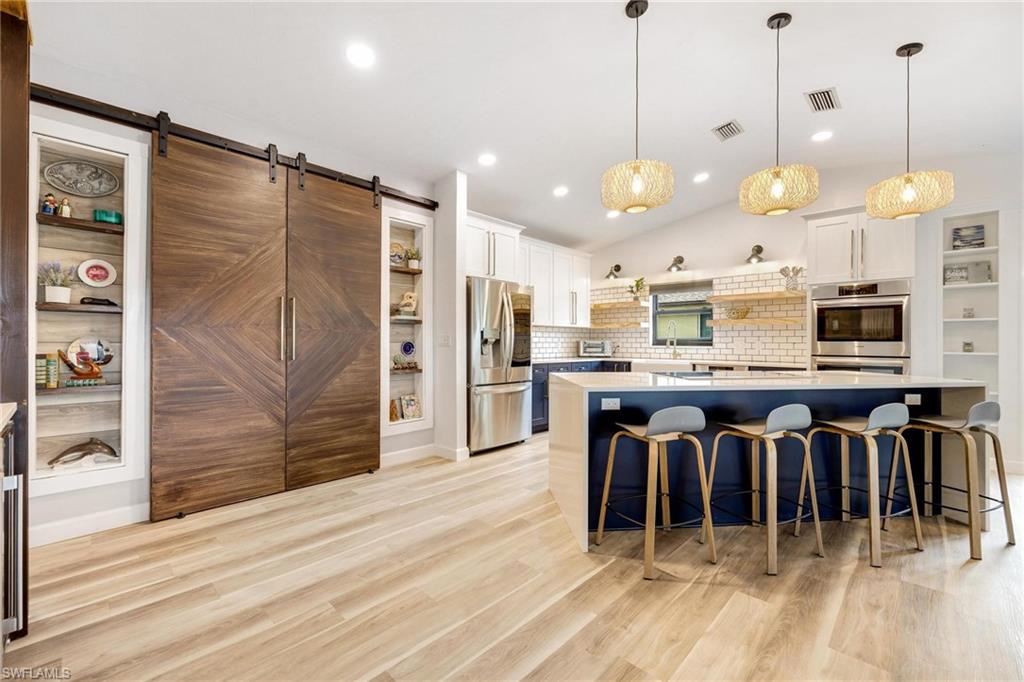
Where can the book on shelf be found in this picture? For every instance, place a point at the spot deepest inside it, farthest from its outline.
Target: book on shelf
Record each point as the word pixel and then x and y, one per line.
pixel 77 382
pixel 40 370
pixel 52 376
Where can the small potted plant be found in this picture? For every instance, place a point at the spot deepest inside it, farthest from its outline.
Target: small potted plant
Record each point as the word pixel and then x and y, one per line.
pixel 638 287
pixel 412 257
pixel 56 282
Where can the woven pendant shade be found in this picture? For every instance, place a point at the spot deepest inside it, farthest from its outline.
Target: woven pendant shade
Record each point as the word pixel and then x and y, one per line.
pixel 635 186
pixel 780 189
pixel 908 195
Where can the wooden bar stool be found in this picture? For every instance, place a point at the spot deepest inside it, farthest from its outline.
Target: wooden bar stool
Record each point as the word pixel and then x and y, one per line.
pixel 782 422
pixel 664 426
pixel 881 422
pixel 980 419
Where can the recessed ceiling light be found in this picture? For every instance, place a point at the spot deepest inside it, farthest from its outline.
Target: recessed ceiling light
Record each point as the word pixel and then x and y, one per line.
pixel 822 135
pixel 701 177
pixel 360 55
pixel 487 159
pixel 560 191
pixel 612 214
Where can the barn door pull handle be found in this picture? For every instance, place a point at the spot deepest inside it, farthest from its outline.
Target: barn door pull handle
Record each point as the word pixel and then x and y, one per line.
pixel 283 344
pixel 294 336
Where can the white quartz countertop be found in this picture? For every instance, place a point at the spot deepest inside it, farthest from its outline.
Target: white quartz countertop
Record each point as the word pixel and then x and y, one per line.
pixel 682 362
pixel 7 411
pixel 754 381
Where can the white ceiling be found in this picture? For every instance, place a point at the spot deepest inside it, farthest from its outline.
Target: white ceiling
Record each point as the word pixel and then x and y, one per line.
pixel 548 87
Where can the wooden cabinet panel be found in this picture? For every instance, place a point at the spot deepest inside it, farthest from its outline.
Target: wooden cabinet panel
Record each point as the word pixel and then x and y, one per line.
pixel 218 380
pixel 334 288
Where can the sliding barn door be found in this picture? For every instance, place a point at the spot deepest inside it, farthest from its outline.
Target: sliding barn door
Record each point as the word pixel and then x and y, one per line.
pixel 334 296
pixel 218 368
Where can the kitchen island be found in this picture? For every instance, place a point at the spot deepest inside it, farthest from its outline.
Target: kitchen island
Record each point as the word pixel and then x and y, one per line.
pixel 585 408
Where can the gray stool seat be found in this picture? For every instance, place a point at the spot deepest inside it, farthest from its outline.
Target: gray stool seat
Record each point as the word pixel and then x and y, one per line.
pixel 982 415
pixel 793 417
pixel 664 426
pixel 888 416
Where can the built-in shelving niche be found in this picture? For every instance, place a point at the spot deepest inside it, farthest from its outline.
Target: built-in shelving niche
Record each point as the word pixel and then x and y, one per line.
pixel 405 229
pixel 64 416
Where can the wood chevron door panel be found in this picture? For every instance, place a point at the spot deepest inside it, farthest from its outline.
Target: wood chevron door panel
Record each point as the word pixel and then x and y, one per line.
pixel 218 284
pixel 334 287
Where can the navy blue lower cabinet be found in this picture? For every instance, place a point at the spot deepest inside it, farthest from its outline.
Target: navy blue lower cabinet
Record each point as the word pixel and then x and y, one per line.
pixel 540 398
pixel 589 366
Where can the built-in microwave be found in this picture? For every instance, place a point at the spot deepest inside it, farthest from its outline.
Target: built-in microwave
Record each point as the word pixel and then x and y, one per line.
pixel 865 319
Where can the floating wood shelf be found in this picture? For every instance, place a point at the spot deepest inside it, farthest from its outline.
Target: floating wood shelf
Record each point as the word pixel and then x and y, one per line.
pixel 78 308
pixel 102 388
pixel 760 296
pixel 79 224
pixel 407 371
pixel 620 305
pixel 756 322
pixel 406 320
pixel 407 271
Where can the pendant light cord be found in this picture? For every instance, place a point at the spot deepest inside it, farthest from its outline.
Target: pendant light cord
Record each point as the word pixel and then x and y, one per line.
pixel 777 61
pixel 908 113
pixel 636 94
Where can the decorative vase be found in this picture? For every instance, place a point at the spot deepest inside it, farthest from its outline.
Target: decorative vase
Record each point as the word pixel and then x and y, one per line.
pixel 414 263
pixel 57 294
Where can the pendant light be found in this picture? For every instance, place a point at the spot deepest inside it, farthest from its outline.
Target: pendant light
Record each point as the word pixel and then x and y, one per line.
pixel 908 195
pixel 641 184
pixel 779 189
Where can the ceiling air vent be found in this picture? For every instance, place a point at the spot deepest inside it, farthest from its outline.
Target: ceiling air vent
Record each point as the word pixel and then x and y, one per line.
pixel 727 130
pixel 823 100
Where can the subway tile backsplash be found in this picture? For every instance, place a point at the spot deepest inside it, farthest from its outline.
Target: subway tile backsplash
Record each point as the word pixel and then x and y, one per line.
pixel 764 345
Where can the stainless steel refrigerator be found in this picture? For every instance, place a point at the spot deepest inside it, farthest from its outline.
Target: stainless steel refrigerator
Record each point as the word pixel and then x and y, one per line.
pixel 499 369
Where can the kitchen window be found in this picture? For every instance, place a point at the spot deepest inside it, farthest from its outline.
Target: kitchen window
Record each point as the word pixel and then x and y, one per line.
pixel 681 314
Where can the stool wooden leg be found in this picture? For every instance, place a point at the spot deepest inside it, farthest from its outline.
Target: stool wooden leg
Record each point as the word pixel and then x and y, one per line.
pixel 929 442
pixel 809 478
pixel 911 491
pixel 1003 490
pixel 607 487
pixel 652 496
pixel 771 505
pixel 874 525
pixel 800 499
pixel 755 480
pixel 711 483
pixel 973 503
pixel 844 474
pixel 666 511
pixel 705 494
pixel 892 480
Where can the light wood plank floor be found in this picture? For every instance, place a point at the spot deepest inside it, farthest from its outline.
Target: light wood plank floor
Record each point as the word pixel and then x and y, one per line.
pixel 441 570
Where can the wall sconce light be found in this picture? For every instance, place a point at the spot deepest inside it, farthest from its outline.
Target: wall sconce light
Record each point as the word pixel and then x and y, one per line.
pixel 755 254
pixel 613 272
pixel 676 265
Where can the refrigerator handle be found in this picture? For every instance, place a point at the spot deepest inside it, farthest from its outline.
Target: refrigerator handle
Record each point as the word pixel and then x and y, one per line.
pixel 510 330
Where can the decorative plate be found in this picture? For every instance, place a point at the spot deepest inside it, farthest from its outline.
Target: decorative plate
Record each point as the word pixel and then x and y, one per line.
pixel 397 253
pixel 408 349
pixel 97 272
pixel 81 178
pixel 90 350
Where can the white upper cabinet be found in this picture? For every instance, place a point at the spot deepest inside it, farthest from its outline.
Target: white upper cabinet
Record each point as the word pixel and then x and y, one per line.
pixel 562 310
pixel 491 248
pixel 541 269
pixel 853 247
pixel 887 248
pixel 581 291
pixel 523 262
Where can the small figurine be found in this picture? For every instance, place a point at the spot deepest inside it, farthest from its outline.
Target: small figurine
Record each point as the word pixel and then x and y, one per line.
pixel 49 206
pixel 408 304
pixel 65 208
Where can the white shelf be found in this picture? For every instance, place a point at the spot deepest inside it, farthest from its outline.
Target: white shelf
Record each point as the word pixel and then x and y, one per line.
pixel 971 319
pixel 971 285
pixel 978 353
pixel 971 252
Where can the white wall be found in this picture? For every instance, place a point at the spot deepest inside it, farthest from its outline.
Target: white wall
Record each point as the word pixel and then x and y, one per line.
pixel 721 237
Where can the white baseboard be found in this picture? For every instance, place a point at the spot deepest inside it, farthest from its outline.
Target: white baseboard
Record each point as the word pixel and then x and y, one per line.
pixel 1014 466
pixel 65 529
pixel 454 454
pixel 390 459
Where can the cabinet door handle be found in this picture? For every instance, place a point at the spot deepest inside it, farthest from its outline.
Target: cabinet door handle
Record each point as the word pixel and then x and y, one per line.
pixel 862 253
pixel 851 253
pixel 283 344
pixel 295 338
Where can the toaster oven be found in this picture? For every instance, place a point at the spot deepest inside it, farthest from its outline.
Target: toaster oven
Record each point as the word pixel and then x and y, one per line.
pixel 594 349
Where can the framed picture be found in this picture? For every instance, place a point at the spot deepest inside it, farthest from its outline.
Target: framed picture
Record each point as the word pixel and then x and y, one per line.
pixel 970 237
pixel 979 271
pixel 411 407
pixel 395 413
pixel 955 273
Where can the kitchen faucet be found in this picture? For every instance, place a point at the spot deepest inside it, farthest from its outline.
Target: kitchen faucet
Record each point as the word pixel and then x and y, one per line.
pixel 675 338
